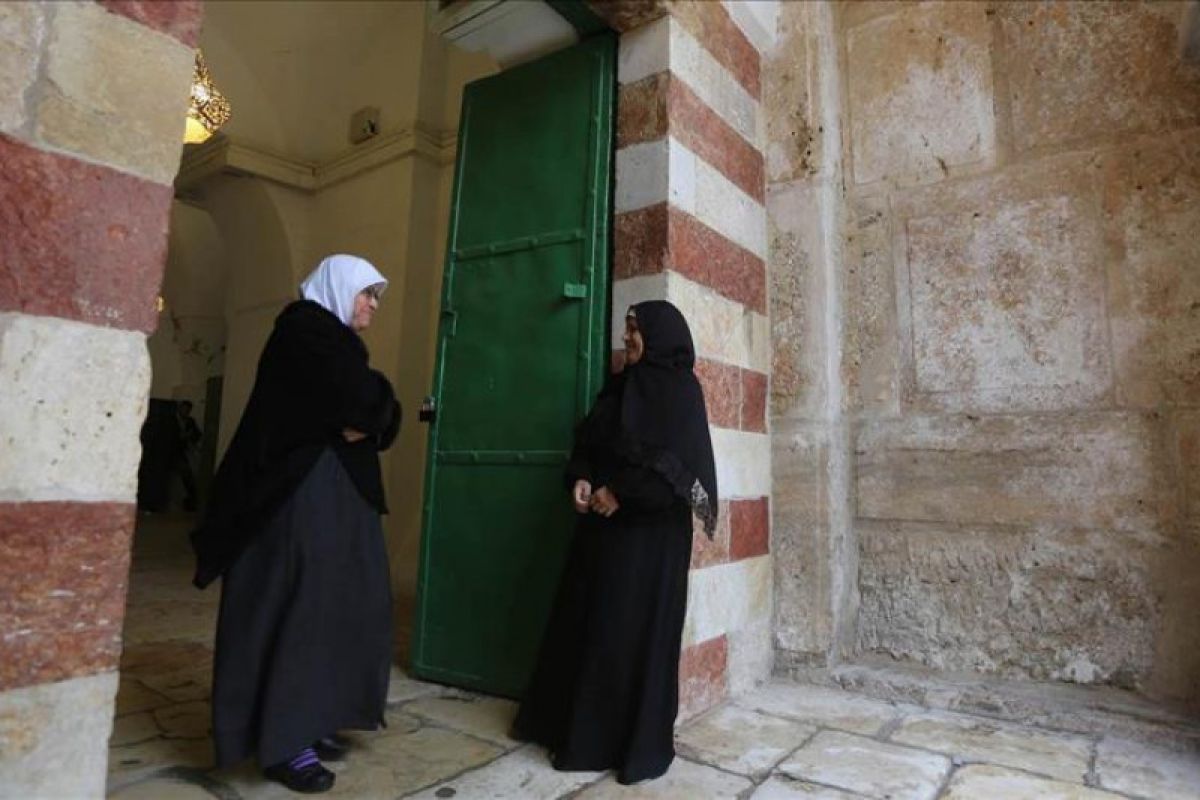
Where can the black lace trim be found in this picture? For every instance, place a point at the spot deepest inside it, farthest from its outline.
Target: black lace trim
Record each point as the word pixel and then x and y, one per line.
pixel 687 487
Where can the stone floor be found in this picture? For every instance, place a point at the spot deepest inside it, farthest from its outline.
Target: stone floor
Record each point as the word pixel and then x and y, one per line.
pixel 781 742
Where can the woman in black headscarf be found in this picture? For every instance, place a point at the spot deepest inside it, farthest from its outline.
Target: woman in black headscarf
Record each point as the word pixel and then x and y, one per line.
pixel 605 691
pixel 304 634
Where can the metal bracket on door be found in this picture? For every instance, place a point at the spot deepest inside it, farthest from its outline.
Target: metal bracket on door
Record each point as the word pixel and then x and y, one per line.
pixel 428 411
pixel 575 291
pixel 451 321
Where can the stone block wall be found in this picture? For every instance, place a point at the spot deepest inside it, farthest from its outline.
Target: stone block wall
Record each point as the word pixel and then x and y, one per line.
pixel 690 227
pixel 92 104
pixel 985 334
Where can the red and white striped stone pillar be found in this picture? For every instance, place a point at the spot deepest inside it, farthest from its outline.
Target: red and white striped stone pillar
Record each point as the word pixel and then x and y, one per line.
pixel 92 105
pixel 691 227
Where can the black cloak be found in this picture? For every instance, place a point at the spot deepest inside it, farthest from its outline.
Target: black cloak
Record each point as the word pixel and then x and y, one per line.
pixel 313 381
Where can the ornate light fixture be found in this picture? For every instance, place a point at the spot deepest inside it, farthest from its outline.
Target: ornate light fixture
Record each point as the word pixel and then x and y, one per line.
pixel 208 109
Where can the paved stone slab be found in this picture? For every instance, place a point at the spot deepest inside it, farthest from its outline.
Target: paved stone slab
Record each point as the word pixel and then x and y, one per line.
pixel 781 787
pixel 133 728
pixel 996 783
pixel 402 688
pixel 685 780
pixel 830 708
pixel 523 774
pixel 1147 771
pixel 741 741
pixel 186 720
pixel 486 717
pixel 868 767
pixel 975 739
pixel 133 697
pixel 136 761
pixel 161 789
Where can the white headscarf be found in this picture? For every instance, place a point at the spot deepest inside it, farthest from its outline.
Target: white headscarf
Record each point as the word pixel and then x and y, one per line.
pixel 337 280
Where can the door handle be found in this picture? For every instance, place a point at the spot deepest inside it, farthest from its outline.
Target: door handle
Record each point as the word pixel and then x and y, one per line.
pixel 428 410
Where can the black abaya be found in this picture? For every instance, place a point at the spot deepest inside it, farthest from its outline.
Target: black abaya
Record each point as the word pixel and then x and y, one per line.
pixel 304 633
pixel 605 691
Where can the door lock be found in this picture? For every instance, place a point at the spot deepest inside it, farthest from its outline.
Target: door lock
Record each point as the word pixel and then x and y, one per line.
pixel 428 410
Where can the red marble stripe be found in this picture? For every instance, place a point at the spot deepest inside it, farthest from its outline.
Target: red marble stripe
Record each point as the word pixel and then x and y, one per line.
pixel 654 107
pixel 749 528
pixel 80 241
pixel 711 138
pixel 708 258
pixel 722 384
pixel 640 242
pixel 703 676
pixel 64 569
pixel 716 31
pixel 180 19
pixel 754 401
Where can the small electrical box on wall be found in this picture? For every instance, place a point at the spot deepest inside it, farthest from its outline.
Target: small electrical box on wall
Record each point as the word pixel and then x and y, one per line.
pixel 364 124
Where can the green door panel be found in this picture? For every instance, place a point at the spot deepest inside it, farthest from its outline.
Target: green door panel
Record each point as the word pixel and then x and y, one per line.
pixel 522 347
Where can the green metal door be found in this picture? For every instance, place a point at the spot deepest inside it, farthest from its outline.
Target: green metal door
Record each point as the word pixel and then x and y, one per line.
pixel 521 353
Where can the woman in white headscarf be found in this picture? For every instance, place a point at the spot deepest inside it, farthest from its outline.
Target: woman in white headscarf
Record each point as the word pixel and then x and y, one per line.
pixel 304 634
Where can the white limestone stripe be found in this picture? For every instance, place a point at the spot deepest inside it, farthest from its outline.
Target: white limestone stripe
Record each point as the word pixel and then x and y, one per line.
pixel 72 401
pixel 726 598
pixel 715 85
pixel 743 463
pixel 757 19
pixel 644 52
pixel 723 329
pixel 61 732
pixel 666 170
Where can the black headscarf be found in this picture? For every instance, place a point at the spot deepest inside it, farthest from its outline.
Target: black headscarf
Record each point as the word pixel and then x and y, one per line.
pixel 663 411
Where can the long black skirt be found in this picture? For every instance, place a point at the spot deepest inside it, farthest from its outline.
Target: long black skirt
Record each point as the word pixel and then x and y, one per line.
pixel 605 691
pixel 304 634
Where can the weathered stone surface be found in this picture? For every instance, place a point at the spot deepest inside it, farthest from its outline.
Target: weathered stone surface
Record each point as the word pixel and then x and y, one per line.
pixel 68 430
pixel 798 382
pixel 801 540
pixel 684 781
pixel 870 346
pixel 134 124
pixel 1088 469
pixel 711 138
pixel 22 29
pixel 920 92
pixel 402 688
pixel 80 241
pixel 781 787
pixel 751 656
pixel 134 698
pixel 1083 71
pixel 1152 213
pixel 707 552
pixel 1046 603
pixel 177 669
pixel 741 741
pixel 816 705
pixel 1136 768
pixel 62 590
pixel 793 146
pixel 185 720
pixel 1007 293
pixel 976 739
pixel 486 717
pixel 179 18
pixel 703 676
pixel 868 767
pixel 628 15
pixel 53 737
pixel 984 780
pixel 521 774
pixel 709 258
pixel 722 385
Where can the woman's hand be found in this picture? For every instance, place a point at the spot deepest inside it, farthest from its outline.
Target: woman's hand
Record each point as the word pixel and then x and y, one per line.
pixel 352 436
pixel 582 496
pixel 604 502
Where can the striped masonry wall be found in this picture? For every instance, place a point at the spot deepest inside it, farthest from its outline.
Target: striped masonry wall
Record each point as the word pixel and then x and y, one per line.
pixel 84 204
pixel 691 227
